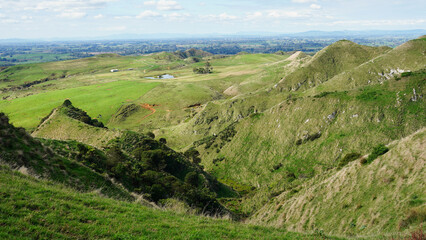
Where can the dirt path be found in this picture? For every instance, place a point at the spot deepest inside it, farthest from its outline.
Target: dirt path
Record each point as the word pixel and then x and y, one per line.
pixel 147 107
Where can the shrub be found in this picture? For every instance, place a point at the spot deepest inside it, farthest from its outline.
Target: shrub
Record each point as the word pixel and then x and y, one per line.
pixel 323 94
pixel 150 134
pixel 348 158
pixel 406 74
pixel 194 155
pixel 163 140
pixel 191 178
pixel 377 151
pixel 67 103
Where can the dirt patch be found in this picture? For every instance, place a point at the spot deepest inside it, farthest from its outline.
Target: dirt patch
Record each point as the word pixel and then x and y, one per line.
pixel 148 107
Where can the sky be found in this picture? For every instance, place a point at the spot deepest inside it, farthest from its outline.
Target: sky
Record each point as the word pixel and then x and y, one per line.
pixel 34 19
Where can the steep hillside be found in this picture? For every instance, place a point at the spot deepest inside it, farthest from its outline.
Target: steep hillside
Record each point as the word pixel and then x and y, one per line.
pixel 21 151
pixel 385 196
pixel 301 137
pixel 332 60
pixel 68 123
pixel 37 209
pixel 137 161
pixel 409 57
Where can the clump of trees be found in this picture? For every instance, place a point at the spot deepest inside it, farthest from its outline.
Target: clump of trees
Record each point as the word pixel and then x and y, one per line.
pixel 80 115
pixel 207 69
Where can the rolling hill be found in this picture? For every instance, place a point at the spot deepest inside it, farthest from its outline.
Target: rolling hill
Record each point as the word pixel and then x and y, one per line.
pixel 280 141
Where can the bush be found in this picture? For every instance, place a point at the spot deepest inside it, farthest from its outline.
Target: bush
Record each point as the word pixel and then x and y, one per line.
pixel 150 134
pixel 193 155
pixel 67 103
pixel 377 151
pixel 323 94
pixel 348 158
pixel 406 74
pixel 191 178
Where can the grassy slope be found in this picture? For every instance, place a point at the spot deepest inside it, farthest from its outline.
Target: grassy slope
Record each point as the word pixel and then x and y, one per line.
pixel 215 115
pixel 23 152
pixel 381 113
pixel 407 57
pixel 31 208
pixel 387 195
pixel 332 60
pixel 17 75
pixel 61 127
pixel 363 118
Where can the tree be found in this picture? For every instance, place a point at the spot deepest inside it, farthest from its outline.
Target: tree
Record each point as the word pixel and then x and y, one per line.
pixel 194 155
pixel 204 70
pixel 191 178
pixel 150 134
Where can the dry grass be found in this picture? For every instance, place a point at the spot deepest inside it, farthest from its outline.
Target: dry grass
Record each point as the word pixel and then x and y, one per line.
pixel 358 199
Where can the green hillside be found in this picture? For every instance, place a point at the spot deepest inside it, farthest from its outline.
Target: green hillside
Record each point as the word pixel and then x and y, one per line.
pixel 38 209
pixel 302 137
pixel 385 196
pixel 332 60
pixel 289 142
pixel 21 151
pixel 408 57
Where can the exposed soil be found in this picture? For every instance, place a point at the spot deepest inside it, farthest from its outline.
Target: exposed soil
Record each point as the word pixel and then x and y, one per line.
pixel 148 107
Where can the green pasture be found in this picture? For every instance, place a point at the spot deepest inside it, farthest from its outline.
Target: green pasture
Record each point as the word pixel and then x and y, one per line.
pixel 98 99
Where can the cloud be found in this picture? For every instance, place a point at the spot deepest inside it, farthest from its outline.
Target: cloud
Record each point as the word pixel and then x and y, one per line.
pixel 370 23
pixel 123 17
pixel 403 22
pixel 286 14
pixel 113 28
pixel 164 5
pixel 225 16
pixel 9 20
pixel 99 16
pixel 303 1
pixel 315 6
pixel 68 9
pixel 148 14
pixel 255 15
pixel 177 16
pixel 219 17
pixel 72 15
pixel 26 17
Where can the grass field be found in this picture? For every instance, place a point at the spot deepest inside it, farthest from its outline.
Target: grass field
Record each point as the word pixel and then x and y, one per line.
pixel 91 87
pixel 98 99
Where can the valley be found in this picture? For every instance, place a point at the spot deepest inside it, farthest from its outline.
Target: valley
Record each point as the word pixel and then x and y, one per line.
pixel 325 145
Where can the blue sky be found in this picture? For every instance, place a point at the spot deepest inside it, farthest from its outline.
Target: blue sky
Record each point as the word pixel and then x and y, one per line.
pixel 92 18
